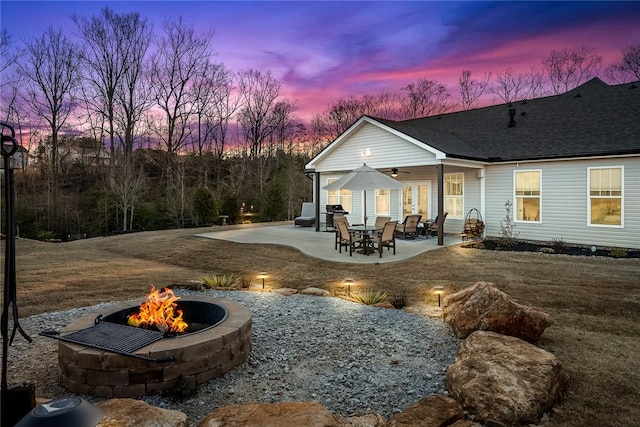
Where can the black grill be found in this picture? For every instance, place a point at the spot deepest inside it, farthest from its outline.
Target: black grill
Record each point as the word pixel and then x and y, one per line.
pixel 331 211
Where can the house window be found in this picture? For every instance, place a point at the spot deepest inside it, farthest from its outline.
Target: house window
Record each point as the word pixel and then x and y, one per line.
pixel 453 194
pixel 527 195
pixel 339 197
pixel 605 196
pixel 383 202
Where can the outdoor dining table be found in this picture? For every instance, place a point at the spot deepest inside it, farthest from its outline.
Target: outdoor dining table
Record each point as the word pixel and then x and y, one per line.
pixel 366 232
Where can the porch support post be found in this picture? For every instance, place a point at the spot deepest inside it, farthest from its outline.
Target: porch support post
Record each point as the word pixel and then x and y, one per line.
pixel 316 198
pixel 440 173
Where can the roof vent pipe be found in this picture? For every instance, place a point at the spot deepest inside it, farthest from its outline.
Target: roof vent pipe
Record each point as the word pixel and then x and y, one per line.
pixel 512 117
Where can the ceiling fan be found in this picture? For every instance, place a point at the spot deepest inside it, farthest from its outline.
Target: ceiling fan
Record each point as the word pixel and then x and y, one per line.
pixel 395 172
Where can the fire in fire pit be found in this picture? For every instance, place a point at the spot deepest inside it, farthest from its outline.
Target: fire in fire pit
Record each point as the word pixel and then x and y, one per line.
pixel 159 311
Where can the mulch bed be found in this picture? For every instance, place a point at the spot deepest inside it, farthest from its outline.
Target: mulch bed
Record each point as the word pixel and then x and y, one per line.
pixel 563 249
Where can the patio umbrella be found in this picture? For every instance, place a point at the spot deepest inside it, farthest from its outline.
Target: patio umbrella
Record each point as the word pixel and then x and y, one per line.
pixel 364 178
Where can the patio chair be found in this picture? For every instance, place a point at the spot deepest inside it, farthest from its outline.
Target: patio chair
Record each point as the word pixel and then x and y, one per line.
pixel 308 215
pixel 431 225
pixel 347 239
pixel 381 221
pixel 409 227
pixel 336 220
pixel 385 239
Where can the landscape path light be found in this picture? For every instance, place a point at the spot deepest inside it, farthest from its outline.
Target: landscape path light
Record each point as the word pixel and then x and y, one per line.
pixel 348 281
pixel 438 290
pixel 262 276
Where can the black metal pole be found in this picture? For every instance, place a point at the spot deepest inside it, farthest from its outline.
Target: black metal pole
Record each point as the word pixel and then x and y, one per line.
pixel 12 402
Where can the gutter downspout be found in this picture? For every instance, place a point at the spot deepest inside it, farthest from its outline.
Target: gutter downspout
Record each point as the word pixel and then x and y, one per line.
pixel 440 173
pixel 316 197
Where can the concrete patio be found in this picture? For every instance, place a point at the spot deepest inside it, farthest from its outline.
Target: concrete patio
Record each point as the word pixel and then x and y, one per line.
pixel 321 244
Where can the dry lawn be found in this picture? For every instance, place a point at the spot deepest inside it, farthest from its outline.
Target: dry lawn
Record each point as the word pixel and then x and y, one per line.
pixel 594 302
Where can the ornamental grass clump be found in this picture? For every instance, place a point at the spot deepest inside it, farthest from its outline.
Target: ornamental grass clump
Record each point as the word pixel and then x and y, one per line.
pixel 368 297
pixel 220 281
pixel 398 300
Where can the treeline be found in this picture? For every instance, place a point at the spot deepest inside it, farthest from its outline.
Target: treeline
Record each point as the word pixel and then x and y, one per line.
pixel 94 200
pixel 132 127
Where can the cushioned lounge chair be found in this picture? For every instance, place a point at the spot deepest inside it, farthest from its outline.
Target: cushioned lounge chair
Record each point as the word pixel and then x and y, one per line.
pixel 308 215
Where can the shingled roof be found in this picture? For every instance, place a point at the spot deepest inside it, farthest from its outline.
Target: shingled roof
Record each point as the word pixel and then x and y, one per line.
pixel 594 119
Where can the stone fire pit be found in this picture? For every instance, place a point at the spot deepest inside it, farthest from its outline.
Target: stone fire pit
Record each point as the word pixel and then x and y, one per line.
pixel 197 357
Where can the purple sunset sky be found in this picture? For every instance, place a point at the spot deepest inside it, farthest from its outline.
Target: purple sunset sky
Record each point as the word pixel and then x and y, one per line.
pixel 325 50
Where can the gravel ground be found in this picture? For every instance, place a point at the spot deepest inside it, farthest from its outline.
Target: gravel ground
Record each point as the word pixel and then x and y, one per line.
pixel 353 359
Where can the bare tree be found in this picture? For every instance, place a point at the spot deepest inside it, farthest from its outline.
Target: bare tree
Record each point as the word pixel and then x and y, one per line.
pixel 204 94
pixel 9 57
pixel 534 83
pixel 342 113
pixel 102 56
pixel 385 105
pixel 258 92
pixel 471 89
pixel 181 56
pixel 509 86
pixel 569 68
pixel 425 98
pixel 628 68
pixel 225 105
pixel 50 69
pixel 124 185
pixel 133 94
pixel 282 124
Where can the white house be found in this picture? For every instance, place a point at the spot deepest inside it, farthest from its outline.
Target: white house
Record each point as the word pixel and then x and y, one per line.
pixel 569 164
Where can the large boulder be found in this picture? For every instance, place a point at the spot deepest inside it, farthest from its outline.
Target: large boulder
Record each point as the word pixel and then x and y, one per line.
pixel 434 410
pixel 483 307
pixel 504 379
pixel 131 412
pixel 310 414
pixel 366 420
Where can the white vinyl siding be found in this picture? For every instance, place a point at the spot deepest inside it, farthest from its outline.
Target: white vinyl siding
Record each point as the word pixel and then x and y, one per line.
pixel 605 196
pixel 527 195
pixel 377 148
pixel 565 202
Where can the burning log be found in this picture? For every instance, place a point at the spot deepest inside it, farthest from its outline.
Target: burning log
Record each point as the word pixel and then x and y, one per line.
pixel 159 311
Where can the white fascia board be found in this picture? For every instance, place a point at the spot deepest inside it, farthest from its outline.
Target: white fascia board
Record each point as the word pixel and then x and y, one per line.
pixel 465 163
pixel 564 159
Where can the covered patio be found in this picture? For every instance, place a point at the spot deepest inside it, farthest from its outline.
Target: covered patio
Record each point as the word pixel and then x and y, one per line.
pixel 321 245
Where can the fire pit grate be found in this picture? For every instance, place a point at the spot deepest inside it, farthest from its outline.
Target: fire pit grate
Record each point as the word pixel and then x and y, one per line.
pixel 113 337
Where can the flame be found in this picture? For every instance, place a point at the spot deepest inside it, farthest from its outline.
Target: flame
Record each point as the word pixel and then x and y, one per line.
pixel 159 310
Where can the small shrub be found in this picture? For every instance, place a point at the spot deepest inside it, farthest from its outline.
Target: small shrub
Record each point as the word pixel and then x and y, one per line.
pixel 557 244
pixel 368 297
pixel 220 281
pixel 46 235
pixel 618 253
pixel 508 235
pixel 398 300
pixel 245 282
